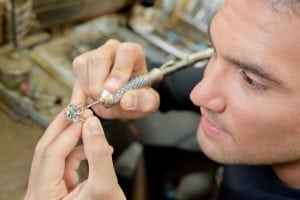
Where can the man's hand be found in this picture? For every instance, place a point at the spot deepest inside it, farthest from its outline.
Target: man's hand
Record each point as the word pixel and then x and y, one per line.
pixel 109 67
pixel 53 173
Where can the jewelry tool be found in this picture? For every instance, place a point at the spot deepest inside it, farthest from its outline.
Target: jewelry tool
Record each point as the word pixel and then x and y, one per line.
pixel 108 99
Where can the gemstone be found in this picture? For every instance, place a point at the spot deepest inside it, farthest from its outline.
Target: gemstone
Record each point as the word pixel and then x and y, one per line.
pixel 73 112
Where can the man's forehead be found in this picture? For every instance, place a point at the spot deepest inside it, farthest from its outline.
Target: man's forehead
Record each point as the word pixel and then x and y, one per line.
pixel 281 6
pixel 263 23
pixel 263 37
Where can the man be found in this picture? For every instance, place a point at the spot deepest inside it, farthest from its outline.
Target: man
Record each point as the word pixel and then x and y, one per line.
pixel 249 99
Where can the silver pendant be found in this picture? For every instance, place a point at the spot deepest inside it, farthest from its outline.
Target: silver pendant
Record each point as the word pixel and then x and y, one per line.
pixel 73 112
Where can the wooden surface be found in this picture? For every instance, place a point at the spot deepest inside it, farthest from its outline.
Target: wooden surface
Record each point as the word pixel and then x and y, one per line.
pixel 17 143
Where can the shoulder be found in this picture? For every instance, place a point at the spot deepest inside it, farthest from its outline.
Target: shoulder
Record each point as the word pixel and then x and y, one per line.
pixel 254 182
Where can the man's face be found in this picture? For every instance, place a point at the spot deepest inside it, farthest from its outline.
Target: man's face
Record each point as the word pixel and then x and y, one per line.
pixel 250 93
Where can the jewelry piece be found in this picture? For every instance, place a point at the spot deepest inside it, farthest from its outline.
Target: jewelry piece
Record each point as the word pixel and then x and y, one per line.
pixel 73 112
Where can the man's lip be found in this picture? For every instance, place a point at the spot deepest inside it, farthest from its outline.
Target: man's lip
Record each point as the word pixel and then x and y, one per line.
pixel 215 127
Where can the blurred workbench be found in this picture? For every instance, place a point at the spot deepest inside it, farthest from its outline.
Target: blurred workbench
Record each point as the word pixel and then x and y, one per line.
pixel 49 37
pixel 18 141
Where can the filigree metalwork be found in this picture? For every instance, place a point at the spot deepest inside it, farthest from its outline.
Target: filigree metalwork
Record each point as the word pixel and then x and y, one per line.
pixel 73 112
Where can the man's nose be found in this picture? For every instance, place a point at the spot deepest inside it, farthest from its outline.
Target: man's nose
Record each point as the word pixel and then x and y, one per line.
pixel 210 92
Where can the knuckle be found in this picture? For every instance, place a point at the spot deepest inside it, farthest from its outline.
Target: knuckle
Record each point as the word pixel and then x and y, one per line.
pixel 154 98
pixel 107 191
pixel 120 74
pixel 101 150
pixel 50 152
pixel 78 62
pixel 104 154
pixel 98 57
pixel 101 57
pixel 112 42
pixel 39 148
pixel 137 47
pixel 127 49
pixel 94 92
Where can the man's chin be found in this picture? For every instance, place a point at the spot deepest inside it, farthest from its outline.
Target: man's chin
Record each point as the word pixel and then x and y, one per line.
pixel 212 149
pixel 206 146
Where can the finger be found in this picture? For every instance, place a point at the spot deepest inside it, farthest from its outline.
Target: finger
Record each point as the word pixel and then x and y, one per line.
pixel 80 67
pixel 144 100
pixel 67 140
pixel 98 153
pixel 60 123
pixel 99 66
pixel 129 60
pixel 54 156
pixel 78 95
pixel 76 193
pixel 74 158
pixel 133 105
pixel 71 176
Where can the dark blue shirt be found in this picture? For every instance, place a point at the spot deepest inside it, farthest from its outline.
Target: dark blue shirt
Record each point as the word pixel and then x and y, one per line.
pixel 254 183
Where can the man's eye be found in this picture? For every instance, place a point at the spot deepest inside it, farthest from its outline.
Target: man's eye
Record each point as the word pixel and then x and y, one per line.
pixel 253 85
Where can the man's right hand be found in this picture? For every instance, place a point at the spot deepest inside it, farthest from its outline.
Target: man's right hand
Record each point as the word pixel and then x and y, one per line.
pixel 109 67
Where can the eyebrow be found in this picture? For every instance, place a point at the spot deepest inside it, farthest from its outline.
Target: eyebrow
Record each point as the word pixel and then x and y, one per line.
pixel 255 69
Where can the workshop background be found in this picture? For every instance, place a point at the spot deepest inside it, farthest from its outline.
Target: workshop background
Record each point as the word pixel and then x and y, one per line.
pixel 154 157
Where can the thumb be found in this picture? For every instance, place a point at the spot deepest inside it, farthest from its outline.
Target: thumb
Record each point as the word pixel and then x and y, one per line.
pixel 98 153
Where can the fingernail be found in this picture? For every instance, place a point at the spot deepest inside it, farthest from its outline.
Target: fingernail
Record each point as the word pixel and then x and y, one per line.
pixel 94 126
pixel 131 102
pixel 113 83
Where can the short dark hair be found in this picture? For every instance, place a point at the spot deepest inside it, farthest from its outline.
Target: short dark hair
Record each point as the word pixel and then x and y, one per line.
pixel 286 6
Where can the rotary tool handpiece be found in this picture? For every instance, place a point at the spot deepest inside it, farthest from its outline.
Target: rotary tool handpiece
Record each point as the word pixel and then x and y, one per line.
pixel 156 74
